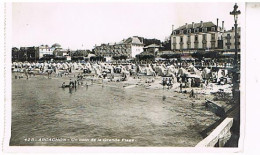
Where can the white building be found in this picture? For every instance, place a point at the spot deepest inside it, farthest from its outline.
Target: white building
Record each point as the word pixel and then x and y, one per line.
pixel 196 36
pixel 229 39
pixel 128 48
pixel 45 50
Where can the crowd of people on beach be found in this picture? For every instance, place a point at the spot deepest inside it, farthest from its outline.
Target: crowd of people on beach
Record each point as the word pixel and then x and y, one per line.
pixel 184 73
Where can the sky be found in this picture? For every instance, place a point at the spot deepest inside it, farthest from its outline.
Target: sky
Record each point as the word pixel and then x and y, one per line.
pixel 84 25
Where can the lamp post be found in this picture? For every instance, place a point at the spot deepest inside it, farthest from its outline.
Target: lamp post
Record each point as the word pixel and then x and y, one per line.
pixel 235 13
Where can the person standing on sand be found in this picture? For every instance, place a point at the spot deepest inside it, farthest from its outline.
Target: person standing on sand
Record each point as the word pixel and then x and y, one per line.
pixel 71 84
pixel 181 87
pixel 192 93
pixel 48 74
pixel 26 73
pixel 164 82
pixel 170 83
pixel 75 84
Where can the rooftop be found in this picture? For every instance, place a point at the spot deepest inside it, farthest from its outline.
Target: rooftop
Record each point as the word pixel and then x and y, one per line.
pixel 153 46
pixel 130 40
pixel 196 25
pixel 133 40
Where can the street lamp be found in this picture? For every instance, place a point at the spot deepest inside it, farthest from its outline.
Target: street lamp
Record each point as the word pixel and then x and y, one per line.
pixel 235 13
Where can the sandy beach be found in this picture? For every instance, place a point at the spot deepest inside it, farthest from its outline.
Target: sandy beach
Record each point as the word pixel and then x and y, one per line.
pixel 108 112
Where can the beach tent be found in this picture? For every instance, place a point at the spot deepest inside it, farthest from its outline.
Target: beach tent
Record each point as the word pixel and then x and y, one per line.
pixel 221 73
pixel 149 71
pixel 206 73
pixel 161 70
pixel 182 72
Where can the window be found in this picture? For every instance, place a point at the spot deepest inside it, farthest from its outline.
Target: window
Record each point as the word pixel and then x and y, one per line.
pixel 204 29
pixel 174 43
pixel 204 37
pixel 204 41
pixel 228 47
pixel 228 39
pixel 197 30
pixel 174 32
pixel 228 36
pixel 196 38
pixel 212 36
pixel 204 45
pixel 174 46
pixel 189 30
pixel 181 39
pixel 174 39
pixel 181 46
pixel 196 45
pixel 212 44
pixel 212 28
pixel 181 31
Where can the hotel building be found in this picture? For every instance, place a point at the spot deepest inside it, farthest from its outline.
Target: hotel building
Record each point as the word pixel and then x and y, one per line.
pixel 129 47
pixel 195 37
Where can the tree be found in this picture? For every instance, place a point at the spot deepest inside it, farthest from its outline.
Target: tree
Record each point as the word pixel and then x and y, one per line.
pixel 145 57
pixel 15 54
pixel 151 41
pixel 56 45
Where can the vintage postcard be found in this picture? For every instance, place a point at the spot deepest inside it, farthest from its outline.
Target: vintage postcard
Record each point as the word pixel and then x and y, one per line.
pixel 124 75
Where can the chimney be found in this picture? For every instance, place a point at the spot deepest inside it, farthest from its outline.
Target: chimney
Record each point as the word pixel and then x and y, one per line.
pixel 172 27
pixel 192 24
pixel 217 23
pixel 201 23
pixel 222 25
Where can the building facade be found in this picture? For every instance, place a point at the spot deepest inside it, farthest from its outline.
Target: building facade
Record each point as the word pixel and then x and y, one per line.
pixel 45 50
pixel 190 38
pixel 229 39
pixel 129 48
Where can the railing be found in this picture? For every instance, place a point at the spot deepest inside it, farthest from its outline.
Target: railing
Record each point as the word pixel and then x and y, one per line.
pixel 219 136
